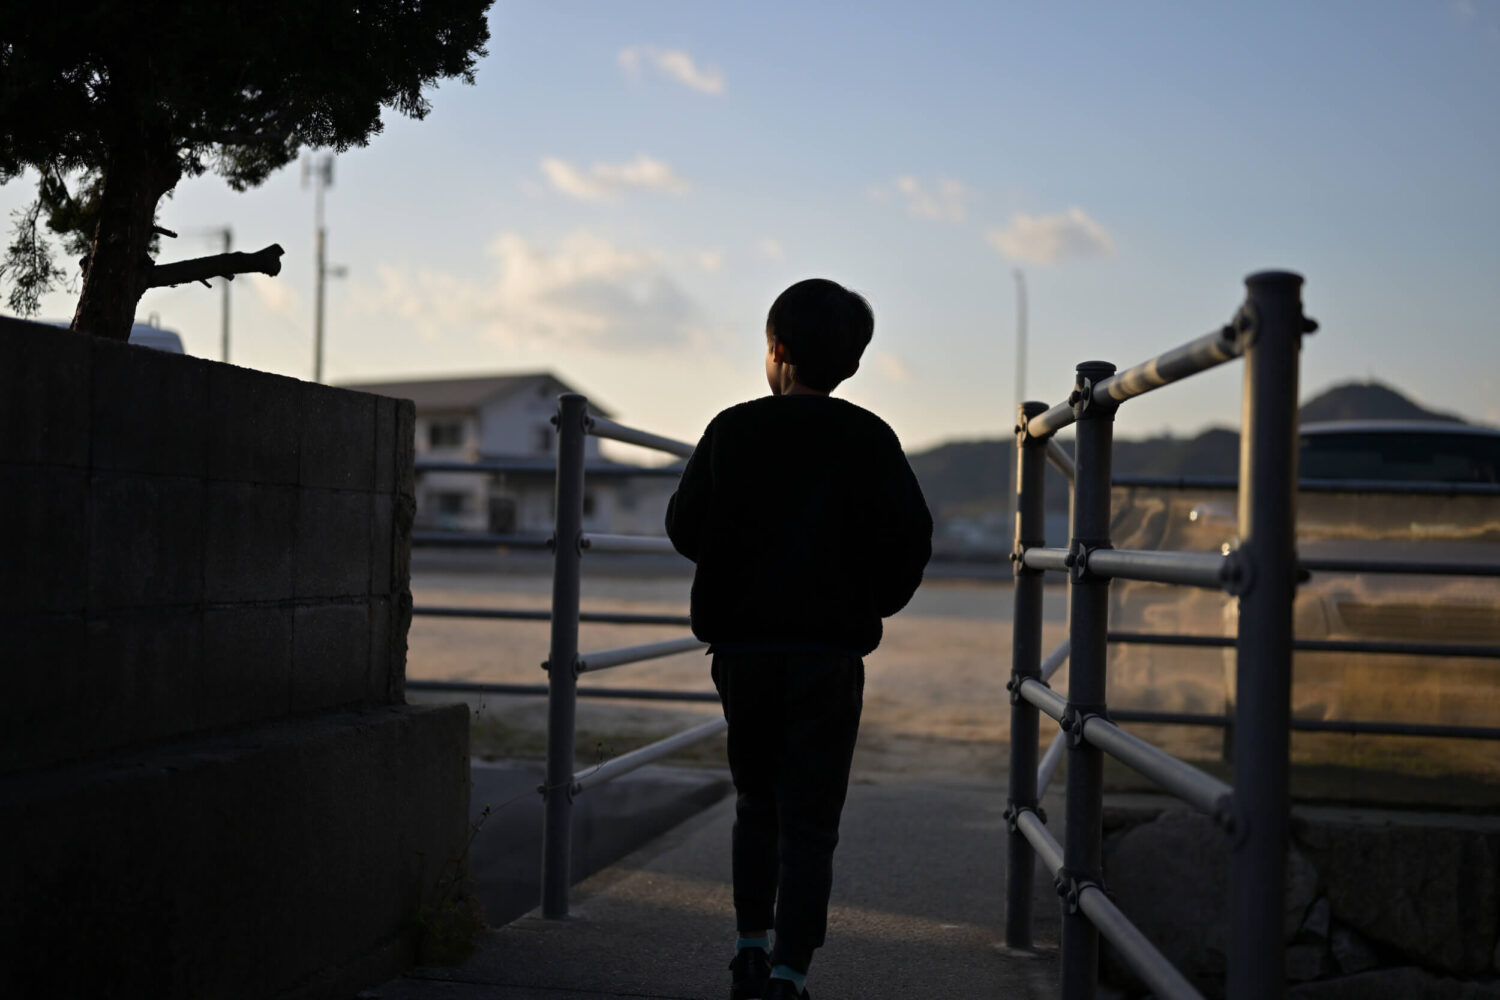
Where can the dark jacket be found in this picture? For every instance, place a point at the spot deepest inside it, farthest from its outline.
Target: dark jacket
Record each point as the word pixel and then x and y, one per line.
pixel 806 523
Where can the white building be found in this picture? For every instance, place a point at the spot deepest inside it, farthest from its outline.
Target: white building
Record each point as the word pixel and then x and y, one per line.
pixel 507 418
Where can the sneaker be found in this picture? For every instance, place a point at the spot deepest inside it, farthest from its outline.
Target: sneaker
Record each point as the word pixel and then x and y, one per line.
pixel 750 969
pixel 782 989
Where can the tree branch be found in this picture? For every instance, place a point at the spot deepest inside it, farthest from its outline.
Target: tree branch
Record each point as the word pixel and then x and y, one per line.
pixel 222 265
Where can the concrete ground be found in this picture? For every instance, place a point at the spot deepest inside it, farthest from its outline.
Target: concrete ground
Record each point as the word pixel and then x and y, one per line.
pixel 918 909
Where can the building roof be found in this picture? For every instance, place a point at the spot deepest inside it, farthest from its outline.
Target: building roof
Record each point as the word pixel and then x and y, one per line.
pixel 467 393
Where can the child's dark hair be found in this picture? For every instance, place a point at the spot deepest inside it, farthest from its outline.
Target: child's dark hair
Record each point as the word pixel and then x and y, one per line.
pixel 825 328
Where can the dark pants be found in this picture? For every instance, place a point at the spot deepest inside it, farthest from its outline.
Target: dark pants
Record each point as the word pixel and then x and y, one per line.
pixel 793 719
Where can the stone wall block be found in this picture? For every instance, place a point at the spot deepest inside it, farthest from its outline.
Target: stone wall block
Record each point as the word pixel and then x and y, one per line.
pixel 147 410
pixel 330 656
pixel 240 868
pixel 44 672
pixel 385 444
pixel 400 629
pixel 247 546
pixel 1423 886
pixel 43 511
pixel 44 394
pixel 406 448
pixel 378 684
pixel 337 439
pixel 145 541
pixel 382 544
pixel 1351 952
pixel 332 552
pixel 254 426
pixel 141 683
pixel 403 513
pixel 247 665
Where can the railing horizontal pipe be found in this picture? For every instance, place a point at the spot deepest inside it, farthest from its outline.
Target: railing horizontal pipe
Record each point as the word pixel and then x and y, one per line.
pixel 1400 566
pixel 1058 456
pixel 625 763
pixel 1047 769
pixel 541 615
pixel 1043 697
pixel 601 427
pixel 1207 351
pixel 1350 486
pixel 627 543
pixel 1450 649
pixel 1160 975
pixel 1051 421
pixel 635 654
pixel 1191 569
pixel 1351 727
pixel 478 540
pixel 1046 558
pixel 527 690
pixel 1046 846
pixel 1202 791
pixel 545 467
pixel 1055 659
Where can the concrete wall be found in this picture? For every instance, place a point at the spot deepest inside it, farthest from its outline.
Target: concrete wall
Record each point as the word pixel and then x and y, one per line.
pixel 204 596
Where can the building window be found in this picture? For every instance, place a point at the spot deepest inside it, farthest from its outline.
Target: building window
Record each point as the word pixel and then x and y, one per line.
pixel 588 505
pixel 543 439
pixel 445 434
pixel 451 502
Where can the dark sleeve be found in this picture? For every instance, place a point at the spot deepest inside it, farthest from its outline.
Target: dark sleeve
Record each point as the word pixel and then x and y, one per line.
pixel 687 510
pixel 903 536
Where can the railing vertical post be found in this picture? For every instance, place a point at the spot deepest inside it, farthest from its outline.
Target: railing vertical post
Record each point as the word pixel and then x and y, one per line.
pixel 1025 661
pixel 1272 324
pixel 1087 627
pixel 562 658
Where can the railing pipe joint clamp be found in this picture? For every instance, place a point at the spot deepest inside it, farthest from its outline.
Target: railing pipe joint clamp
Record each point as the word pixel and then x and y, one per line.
pixel 1018 557
pixel 1070 885
pixel 1017 679
pixel 1238 573
pixel 1078 559
pixel 1227 815
pixel 1014 809
pixel 1076 716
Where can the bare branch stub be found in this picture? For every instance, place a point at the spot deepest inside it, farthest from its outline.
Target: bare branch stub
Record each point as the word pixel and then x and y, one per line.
pixel 223 265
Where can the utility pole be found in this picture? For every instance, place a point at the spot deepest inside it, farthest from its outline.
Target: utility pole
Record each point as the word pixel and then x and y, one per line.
pixel 321 171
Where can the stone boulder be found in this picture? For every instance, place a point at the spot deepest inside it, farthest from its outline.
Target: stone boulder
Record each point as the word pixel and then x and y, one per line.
pixel 1405 983
pixel 1170 876
pixel 1422 885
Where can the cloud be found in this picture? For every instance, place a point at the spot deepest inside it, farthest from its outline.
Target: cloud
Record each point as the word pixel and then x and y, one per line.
pixel 1046 239
pixel 275 295
pixel 604 180
pixel 770 249
pixel 674 64
pixel 944 203
pixel 892 367
pixel 582 292
pixel 710 260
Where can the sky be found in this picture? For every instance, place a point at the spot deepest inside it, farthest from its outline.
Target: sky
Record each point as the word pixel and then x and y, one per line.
pixel 627 187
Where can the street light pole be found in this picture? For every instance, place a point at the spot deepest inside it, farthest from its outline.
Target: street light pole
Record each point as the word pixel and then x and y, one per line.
pixel 228 237
pixel 1020 277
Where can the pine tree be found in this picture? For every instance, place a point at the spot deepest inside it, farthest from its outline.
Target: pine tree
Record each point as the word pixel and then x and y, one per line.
pixel 112 102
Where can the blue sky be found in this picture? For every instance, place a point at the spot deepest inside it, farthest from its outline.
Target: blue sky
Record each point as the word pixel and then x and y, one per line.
pixel 628 186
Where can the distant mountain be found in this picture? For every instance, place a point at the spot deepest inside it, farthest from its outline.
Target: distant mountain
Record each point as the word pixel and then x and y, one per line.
pixel 1366 401
pixel 970 477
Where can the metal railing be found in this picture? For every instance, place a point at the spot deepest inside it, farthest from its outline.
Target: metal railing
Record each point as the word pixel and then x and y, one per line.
pixel 564 662
pixel 1261 571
